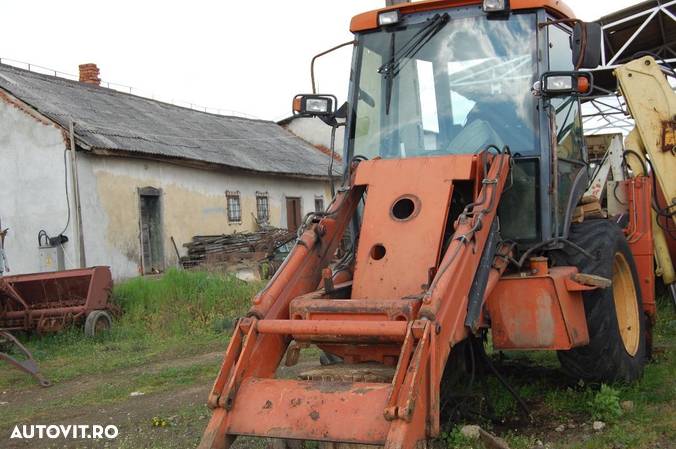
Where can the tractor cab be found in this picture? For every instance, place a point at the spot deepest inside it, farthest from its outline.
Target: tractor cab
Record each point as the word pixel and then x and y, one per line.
pixel 442 78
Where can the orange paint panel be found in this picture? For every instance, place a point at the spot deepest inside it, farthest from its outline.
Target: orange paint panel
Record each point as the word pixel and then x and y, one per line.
pixel 395 255
pixel 640 238
pixel 394 329
pixel 369 20
pixel 537 312
pixel 311 410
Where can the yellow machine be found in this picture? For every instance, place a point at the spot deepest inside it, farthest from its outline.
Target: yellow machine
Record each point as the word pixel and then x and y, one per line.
pixel 652 104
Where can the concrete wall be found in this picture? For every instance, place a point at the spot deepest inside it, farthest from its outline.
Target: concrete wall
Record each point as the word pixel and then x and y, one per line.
pixel 32 185
pixel 193 201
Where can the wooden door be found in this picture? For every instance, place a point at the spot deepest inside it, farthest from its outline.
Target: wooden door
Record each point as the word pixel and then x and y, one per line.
pixel 152 251
pixel 293 213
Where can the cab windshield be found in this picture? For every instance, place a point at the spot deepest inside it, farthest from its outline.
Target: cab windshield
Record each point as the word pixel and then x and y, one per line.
pixel 458 91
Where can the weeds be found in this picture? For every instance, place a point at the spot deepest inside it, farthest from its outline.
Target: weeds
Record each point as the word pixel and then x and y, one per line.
pixel 183 302
pixel 606 404
pixel 454 439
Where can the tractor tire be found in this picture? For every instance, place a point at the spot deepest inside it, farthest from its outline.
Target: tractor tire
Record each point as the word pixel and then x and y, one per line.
pixel 97 322
pixel 615 317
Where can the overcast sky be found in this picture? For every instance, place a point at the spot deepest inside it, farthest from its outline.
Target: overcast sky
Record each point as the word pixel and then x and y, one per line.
pixel 243 56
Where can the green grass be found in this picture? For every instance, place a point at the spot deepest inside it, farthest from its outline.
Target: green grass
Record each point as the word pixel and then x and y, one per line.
pixel 114 391
pixel 185 314
pixel 555 401
pixel 182 313
pixel 183 303
pixel 169 378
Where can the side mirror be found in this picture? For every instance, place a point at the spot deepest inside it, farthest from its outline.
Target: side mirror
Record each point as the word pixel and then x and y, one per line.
pixel 556 84
pixel 586 45
pixel 312 105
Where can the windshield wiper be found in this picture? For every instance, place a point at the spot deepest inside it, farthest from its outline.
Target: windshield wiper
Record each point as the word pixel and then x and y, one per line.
pixel 398 59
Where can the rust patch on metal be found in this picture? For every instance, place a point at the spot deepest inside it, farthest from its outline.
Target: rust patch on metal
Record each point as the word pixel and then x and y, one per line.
pixel 314 415
pixel 362 391
pixel 328 387
pixel 669 136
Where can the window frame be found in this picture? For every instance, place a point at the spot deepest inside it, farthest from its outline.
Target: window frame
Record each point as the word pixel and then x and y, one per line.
pixel 232 218
pixel 576 162
pixel 262 199
pixel 574 111
pixel 456 12
pixel 319 199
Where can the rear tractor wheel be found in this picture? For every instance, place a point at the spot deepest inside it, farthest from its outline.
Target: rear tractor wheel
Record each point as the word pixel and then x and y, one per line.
pixel 97 323
pixel 615 318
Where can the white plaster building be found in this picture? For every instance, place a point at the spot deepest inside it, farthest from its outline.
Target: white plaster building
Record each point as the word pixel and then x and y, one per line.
pixel 143 172
pixel 318 133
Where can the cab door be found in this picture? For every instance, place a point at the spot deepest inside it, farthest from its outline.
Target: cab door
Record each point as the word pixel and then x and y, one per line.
pixel 569 158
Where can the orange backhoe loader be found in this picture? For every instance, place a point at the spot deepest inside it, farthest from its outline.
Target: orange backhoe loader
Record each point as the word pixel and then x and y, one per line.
pixel 465 162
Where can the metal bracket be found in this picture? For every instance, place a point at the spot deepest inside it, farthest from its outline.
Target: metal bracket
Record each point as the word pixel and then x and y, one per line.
pixel 29 365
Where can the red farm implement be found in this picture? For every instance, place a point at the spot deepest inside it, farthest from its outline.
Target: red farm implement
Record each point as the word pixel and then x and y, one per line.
pixel 48 302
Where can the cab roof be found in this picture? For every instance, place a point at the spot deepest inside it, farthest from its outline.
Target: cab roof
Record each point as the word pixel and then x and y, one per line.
pixel 369 20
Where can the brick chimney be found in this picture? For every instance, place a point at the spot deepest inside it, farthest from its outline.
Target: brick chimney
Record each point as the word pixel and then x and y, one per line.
pixel 89 74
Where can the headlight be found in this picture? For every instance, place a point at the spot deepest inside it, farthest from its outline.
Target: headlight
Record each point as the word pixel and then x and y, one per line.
pixel 314 105
pixel 559 83
pixel 496 5
pixel 317 105
pixel 389 18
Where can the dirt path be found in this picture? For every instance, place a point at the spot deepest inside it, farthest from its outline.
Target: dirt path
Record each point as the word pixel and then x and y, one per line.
pixel 64 390
pixel 183 408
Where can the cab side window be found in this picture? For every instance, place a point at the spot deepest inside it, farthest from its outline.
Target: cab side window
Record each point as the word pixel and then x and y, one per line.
pixel 569 134
pixel 568 120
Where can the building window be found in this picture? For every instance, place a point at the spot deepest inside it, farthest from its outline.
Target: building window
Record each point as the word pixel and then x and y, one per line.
pixel 262 206
pixel 319 204
pixel 234 207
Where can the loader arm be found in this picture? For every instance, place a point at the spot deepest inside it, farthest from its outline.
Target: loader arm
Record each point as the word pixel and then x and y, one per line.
pixel 404 308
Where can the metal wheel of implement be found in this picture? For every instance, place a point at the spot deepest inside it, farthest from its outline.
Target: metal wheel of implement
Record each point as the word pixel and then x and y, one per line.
pixel 97 322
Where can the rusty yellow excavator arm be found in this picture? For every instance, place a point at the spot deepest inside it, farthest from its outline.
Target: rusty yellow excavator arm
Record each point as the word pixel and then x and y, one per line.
pixel 652 104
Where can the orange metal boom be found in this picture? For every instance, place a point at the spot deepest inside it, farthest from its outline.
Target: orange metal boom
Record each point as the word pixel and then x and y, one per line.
pixel 405 306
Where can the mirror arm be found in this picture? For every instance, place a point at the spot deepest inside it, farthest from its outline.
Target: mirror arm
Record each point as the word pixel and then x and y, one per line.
pixel 319 55
pixel 554 22
pixel 571 22
pixel 334 127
